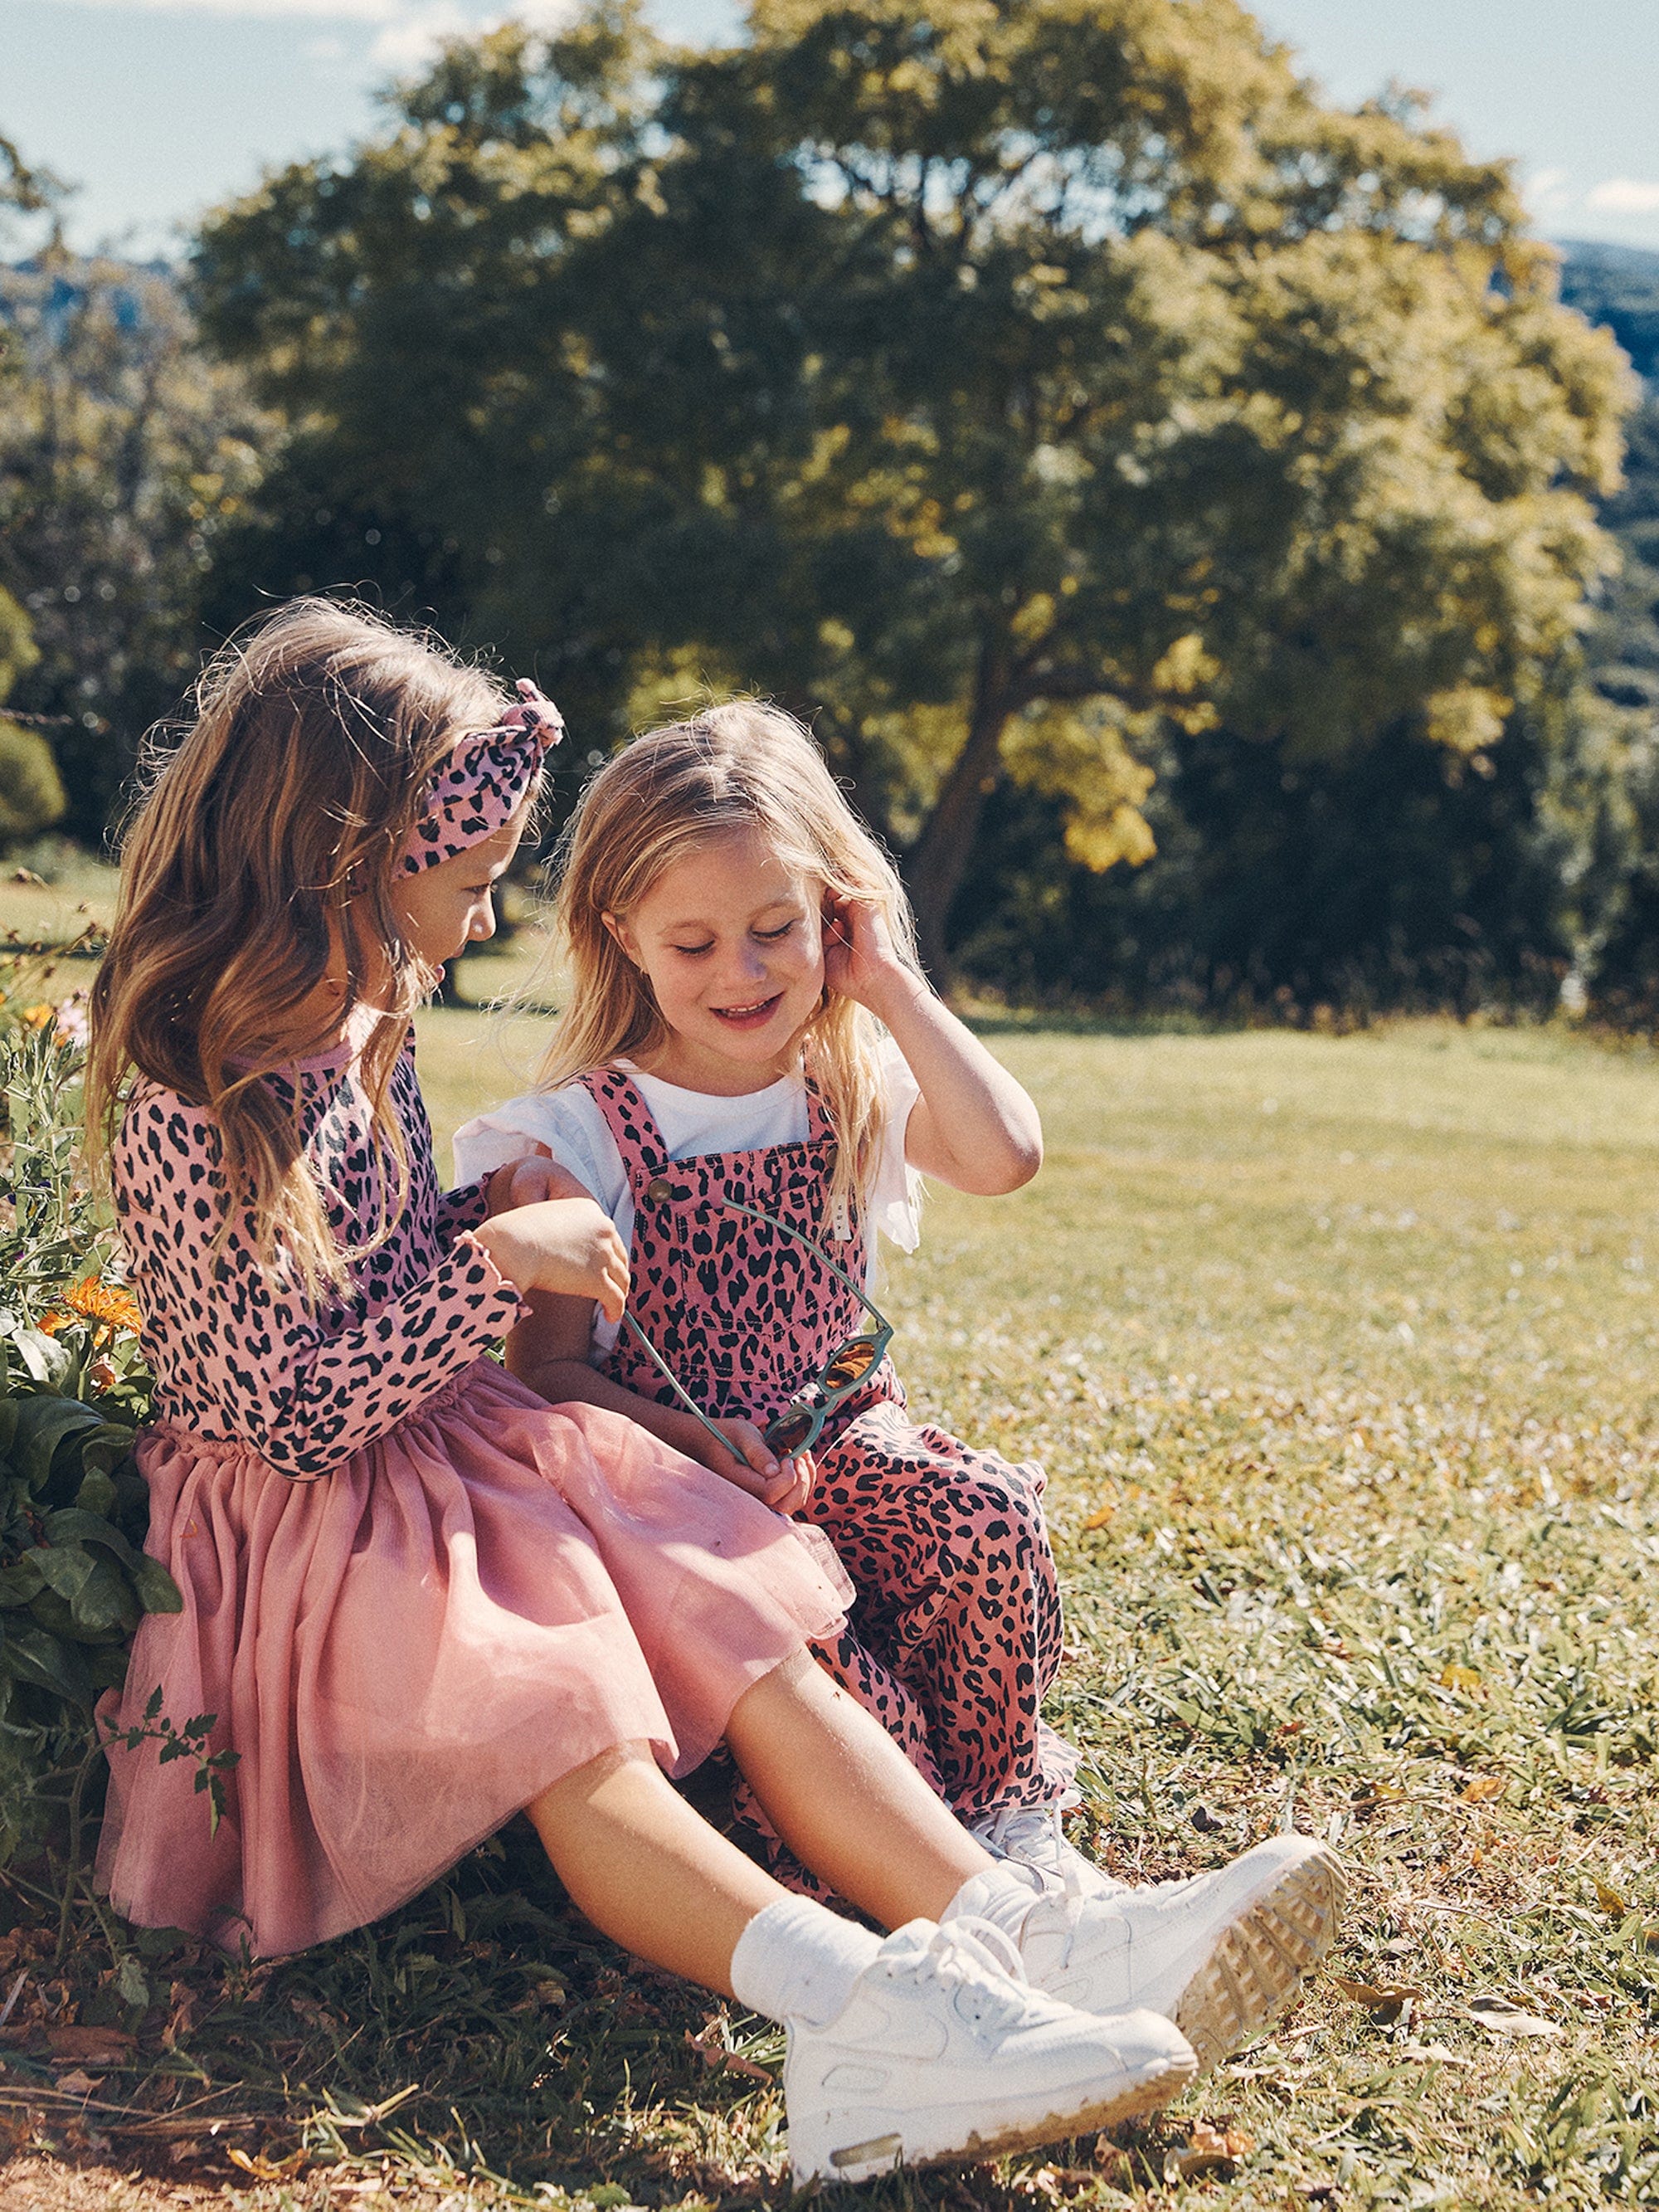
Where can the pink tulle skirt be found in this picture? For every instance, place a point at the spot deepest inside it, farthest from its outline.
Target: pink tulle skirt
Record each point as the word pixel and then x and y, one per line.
pixel 408 1652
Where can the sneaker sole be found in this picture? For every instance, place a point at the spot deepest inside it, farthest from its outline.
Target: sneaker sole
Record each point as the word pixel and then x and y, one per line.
pixel 884 2150
pixel 1259 1962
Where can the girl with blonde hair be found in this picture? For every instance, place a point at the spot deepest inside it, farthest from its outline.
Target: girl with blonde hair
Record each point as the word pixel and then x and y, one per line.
pixel 416 1598
pixel 750 1077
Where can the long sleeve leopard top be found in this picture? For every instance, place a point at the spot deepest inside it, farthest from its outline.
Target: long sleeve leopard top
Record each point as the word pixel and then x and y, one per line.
pixel 237 1355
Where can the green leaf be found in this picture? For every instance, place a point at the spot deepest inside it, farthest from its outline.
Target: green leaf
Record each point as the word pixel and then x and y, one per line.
pixel 105 1600
pixel 22 1580
pixel 96 1493
pixel 156 1589
pixel 43 1423
pixel 33 1656
pixel 46 1360
pixel 64 1568
pixel 130 1982
pixel 69 1525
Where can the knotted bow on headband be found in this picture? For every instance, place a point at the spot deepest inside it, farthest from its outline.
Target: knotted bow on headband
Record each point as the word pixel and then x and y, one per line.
pixel 483 782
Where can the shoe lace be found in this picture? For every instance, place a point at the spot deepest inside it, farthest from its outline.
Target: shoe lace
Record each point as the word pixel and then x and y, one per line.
pixel 978 1963
pixel 1035 1834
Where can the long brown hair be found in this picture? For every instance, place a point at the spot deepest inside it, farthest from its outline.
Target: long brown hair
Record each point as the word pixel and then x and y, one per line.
pixel 264 843
pixel 741 766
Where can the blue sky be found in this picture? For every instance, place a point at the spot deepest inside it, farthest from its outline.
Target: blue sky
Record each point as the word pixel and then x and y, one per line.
pixel 157 108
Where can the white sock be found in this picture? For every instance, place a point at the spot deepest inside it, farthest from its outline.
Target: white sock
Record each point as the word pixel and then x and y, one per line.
pixel 1004 1897
pixel 796 1960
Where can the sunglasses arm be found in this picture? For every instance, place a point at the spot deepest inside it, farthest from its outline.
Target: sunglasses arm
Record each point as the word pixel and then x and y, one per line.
pixel 674 1384
pixel 735 1205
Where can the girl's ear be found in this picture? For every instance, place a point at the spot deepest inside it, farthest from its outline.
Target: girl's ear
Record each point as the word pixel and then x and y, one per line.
pixel 623 935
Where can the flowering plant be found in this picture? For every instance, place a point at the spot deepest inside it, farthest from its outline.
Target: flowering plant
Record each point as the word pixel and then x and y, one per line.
pixel 73 1388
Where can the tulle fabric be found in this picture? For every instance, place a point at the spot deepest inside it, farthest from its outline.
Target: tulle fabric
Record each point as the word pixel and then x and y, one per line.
pixel 407 1652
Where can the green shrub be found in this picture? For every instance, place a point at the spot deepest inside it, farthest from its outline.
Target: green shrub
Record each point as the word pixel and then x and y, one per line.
pixel 74 1578
pixel 32 795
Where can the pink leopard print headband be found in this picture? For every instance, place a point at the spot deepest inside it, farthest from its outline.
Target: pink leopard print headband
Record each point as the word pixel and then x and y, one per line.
pixel 484 781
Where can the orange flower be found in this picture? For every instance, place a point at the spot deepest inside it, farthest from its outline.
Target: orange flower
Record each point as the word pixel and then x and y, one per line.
pixel 105 1304
pixel 38 1017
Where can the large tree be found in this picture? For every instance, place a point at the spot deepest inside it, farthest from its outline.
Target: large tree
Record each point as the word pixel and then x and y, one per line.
pixel 124 452
pixel 1004 383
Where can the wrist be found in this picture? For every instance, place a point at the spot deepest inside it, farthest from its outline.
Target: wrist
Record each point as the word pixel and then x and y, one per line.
pixel 500 1245
pixel 893 995
pixel 683 1433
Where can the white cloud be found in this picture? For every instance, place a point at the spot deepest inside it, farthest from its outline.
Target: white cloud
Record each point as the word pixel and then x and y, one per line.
pixel 409 31
pixel 415 34
pixel 417 31
pixel 1545 191
pixel 1624 196
pixel 356 11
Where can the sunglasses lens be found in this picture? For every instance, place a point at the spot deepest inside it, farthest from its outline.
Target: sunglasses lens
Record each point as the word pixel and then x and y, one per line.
pixel 850 1364
pixel 789 1432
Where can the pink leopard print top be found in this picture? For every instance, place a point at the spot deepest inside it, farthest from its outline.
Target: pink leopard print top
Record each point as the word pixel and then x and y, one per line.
pixel 239 1358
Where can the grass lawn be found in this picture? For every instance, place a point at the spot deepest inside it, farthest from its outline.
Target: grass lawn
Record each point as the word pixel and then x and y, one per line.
pixel 1343 1356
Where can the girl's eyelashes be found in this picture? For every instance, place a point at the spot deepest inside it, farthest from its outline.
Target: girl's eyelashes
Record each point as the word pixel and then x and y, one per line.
pixel 766 937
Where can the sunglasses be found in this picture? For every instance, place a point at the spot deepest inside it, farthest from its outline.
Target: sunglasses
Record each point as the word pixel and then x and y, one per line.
pixel 800 1424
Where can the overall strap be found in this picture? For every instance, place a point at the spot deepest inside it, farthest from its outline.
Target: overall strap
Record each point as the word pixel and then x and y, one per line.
pixel 645 1156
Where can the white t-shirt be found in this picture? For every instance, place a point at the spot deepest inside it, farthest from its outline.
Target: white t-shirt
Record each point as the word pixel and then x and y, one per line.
pixel 570 1123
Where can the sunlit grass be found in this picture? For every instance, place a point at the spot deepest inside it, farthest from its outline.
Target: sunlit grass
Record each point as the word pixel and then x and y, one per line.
pixel 1341 1356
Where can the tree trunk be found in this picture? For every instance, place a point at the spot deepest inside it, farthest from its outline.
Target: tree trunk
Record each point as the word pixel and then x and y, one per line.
pixel 938 859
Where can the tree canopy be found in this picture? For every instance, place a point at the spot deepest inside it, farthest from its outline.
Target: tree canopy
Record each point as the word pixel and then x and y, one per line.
pixel 1011 388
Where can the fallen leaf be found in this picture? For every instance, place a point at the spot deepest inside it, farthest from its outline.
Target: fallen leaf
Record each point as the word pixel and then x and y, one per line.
pixel 1460 1678
pixel 1503 2018
pixel 1483 1786
pixel 1114 2164
pixel 265 2169
pixel 1211 2150
pixel 1099 1518
pixel 77 2084
pixel 1610 1901
pixel 92 2046
pixel 1057 2183
pixel 1380 1793
pixel 1384 2001
pixel 1222 2142
pixel 713 2052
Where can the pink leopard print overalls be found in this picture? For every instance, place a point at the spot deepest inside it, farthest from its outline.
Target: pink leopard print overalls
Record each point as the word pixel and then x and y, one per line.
pixel 956 1634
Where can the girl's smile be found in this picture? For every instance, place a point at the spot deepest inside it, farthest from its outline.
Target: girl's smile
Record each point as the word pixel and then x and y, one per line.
pixel 730 941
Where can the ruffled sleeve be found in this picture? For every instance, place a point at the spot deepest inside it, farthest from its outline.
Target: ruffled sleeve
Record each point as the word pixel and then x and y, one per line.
pixel 464 1208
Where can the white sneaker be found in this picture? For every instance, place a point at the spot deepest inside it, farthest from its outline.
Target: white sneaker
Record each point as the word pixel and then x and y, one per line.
pixel 943 2052
pixel 1217 1954
pixel 1034 1836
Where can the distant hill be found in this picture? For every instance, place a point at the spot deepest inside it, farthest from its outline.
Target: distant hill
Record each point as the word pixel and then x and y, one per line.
pixel 1618 286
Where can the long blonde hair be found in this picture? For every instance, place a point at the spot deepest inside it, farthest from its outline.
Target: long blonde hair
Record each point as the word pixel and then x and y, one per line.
pixel 265 841
pixel 741 766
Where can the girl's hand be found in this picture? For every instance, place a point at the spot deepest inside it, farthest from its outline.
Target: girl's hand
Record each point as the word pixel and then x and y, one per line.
pixel 524 1182
pixel 785 1485
pixel 566 1245
pixel 860 961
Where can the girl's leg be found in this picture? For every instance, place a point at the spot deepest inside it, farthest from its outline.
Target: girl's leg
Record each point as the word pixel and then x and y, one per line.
pixel 958 1596
pixel 845 1798
pixel 647 1869
pixel 652 1873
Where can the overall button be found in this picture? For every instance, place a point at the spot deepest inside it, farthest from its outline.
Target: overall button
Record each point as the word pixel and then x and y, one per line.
pixel 660 1190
